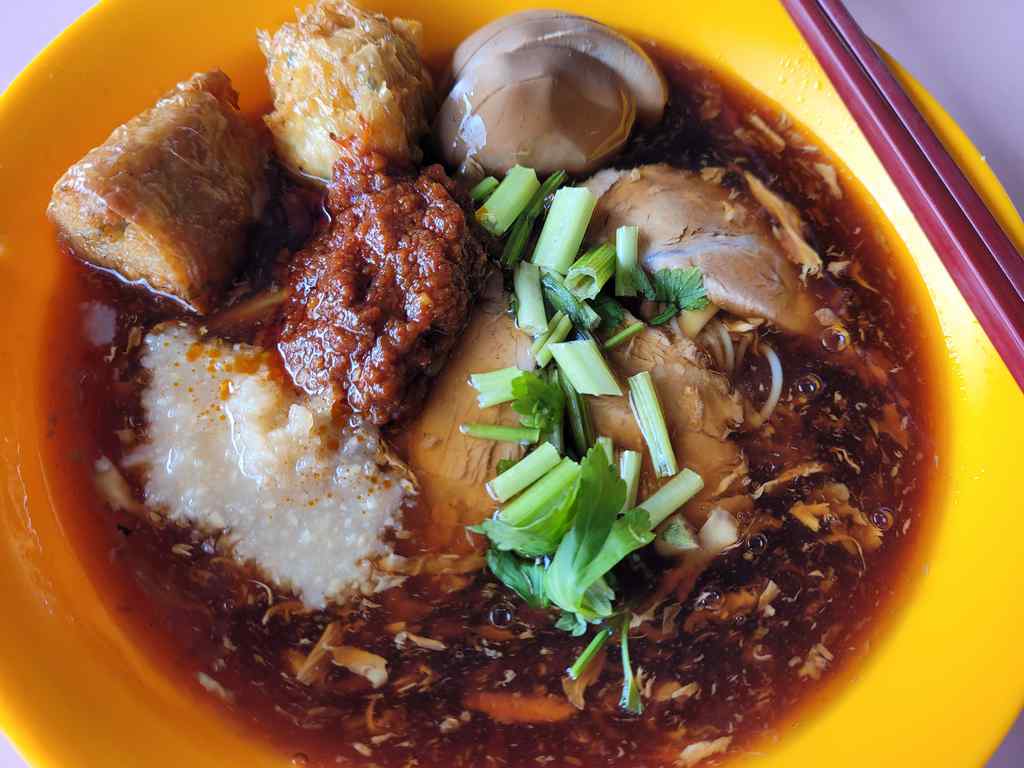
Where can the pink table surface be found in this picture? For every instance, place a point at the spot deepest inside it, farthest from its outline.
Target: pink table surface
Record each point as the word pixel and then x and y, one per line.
pixel 938 40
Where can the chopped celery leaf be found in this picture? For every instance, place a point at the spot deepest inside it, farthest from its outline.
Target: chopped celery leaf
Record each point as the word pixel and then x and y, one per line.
pixel 539 403
pixel 571 623
pixel 524 577
pixel 539 537
pixel 568 580
pixel 682 287
pixel 643 283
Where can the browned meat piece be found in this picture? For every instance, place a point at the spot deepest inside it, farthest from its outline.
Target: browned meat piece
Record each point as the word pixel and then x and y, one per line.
pixel 169 197
pixel 382 296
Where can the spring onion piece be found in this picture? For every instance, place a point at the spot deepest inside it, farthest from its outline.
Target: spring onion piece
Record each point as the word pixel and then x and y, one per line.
pixel 515 244
pixel 630 463
pixel 500 433
pixel 626 262
pixel 508 200
pixel 530 314
pixel 630 699
pixel 583 364
pixel 541 494
pixel 564 228
pixel 561 333
pixel 608 445
pixel 483 189
pixel 672 495
pixel 588 274
pixel 623 336
pixel 494 387
pixel 563 300
pixel 580 425
pixel 524 473
pixel 592 649
pixel 643 400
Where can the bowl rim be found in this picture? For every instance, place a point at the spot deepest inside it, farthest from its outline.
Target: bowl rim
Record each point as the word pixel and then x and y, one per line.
pixel 987 734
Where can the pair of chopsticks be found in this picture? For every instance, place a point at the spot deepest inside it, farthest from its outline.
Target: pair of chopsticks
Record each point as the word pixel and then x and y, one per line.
pixel 976 252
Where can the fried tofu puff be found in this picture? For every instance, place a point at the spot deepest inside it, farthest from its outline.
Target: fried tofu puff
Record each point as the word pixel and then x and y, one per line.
pixel 339 71
pixel 169 197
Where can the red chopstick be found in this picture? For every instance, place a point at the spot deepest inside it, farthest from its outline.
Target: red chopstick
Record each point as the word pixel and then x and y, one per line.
pixel 976 252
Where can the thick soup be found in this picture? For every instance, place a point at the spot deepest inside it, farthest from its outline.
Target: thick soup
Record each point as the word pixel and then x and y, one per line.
pixel 274 496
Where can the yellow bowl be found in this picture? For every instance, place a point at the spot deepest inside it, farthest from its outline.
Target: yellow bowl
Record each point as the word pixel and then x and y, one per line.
pixel 945 676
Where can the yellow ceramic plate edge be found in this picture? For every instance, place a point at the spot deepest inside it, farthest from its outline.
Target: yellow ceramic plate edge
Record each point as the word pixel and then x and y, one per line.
pixel 982 684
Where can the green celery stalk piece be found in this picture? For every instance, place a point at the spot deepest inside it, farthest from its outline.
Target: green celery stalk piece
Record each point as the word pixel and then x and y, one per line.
pixel 494 387
pixel 483 189
pixel 561 333
pixel 564 228
pixel 593 647
pixel 672 495
pixel 508 200
pixel 524 472
pixel 530 314
pixel 588 274
pixel 630 699
pixel 537 499
pixel 626 262
pixel 583 364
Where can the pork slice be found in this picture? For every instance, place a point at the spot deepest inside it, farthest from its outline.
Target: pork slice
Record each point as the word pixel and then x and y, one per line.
pixel 700 407
pixel 687 221
pixel 450 467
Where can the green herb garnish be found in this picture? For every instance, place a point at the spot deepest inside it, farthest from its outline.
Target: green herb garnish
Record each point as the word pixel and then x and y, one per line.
pixel 593 648
pixel 524 577
pixel 538 402
pixel 630 699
